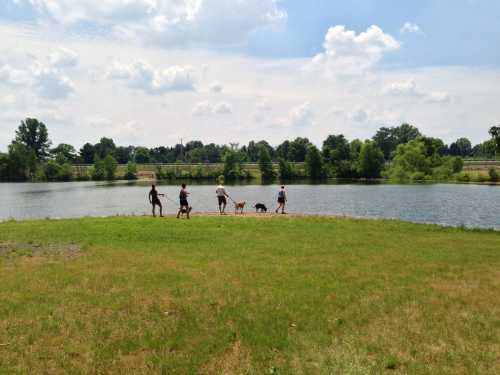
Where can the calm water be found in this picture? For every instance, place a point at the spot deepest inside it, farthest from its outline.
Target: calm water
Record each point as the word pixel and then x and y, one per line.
pixel 470 205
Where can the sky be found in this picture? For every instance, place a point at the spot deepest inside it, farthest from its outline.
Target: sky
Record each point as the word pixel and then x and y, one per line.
pixel 153 72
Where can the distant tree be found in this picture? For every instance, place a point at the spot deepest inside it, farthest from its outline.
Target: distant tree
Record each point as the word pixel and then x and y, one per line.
pixel 213 153
pixel 462 147
pixel 495 135
pixel 142 155
pixel 4 167
pixel 110 166
pixel 22 162
pixel 232 165
pixel 98 172
pixel 124 154
pixel 265 163
pixel 87 153
pixel 131 173
pixel 388 139
pixel 406 133
pixel 371 160
pixel 105 147
pixel 434 146
pixel 34 135
pixel 298 149
pixel 485 150
pixel 336 148
pixel 65 152
pixel 285 169
pixel 410 161
pixel 314 162
pixel 283 150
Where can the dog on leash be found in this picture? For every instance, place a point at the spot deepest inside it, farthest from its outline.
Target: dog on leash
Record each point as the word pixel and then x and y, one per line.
pixel 260 207
pixel 239 206
pixel 186 210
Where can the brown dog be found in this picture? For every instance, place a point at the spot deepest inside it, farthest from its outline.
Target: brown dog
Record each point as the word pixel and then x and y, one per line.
pixel 239 206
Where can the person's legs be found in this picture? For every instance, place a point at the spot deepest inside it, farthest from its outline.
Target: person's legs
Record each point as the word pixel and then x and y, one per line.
pixel 161 209
pixel 188 210
pixel 154 205
pixel 283 207
pixel 179 212
pixel 279 206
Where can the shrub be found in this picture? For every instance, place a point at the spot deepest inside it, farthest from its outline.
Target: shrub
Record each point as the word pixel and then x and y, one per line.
pixel 131 172
pixel 494 175
pixel 463 177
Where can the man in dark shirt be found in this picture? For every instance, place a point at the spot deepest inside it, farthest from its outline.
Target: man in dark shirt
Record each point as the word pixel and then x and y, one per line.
pixel 155 200
pixel 184 205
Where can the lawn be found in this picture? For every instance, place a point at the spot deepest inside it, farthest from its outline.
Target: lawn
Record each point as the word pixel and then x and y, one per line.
pixel 243 295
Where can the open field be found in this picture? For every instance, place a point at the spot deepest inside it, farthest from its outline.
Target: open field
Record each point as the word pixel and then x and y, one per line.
pixel 240 295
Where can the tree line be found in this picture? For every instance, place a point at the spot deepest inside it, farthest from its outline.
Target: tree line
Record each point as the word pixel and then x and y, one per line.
pixel 400 152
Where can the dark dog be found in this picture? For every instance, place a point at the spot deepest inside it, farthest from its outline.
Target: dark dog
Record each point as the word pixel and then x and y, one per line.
pixel 260 207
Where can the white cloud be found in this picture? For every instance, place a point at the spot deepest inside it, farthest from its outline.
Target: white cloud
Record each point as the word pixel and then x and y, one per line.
pixel 50 82
pixel 359 115
pixel 216 87
pixel 222 108
pixel 169 22
pixel 300 116
pixel 348 53
pixel 204 108
pixel 63 58
pixel 409 28
pixel 14 77
pixel 409 88
pixel 140 75
pixel 53 84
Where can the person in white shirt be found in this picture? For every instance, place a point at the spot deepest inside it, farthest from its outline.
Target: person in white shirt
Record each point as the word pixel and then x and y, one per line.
pixel 221 198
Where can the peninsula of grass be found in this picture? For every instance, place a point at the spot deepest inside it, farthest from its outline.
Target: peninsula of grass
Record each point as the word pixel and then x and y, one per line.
pixel 242 295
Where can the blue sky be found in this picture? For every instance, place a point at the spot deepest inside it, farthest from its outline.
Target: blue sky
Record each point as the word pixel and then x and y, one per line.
pixel 454 32
pixel 152 71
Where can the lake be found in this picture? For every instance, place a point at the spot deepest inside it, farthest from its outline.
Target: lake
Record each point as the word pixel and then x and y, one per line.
pixel 449 204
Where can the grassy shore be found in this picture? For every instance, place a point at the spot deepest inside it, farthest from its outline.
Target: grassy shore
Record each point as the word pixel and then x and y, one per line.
pixel 231 295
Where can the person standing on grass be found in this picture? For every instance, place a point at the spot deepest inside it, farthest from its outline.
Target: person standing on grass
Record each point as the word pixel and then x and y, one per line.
pixel 155 200
pixel 221 198
pixel 184 205
pixel 281 200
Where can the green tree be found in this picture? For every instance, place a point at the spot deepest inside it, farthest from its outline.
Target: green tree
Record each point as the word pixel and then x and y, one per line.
pixel 265 163
pixel 495 136
pixel 388 139
pixel 4 167
pixel 124 154
pixel 98 172
pixel 286 169
pixel 462 147
pixel 34 135
pixel 371 160
pixel 298 149
pixel 87 153
pixel 314 162
pixel 64 151
pixel 105 147
pixel 22 162
pixel 232 165
pixel 110 166
pixel 336 148
pixel 131 172
pixel 142 155
pixel 410 161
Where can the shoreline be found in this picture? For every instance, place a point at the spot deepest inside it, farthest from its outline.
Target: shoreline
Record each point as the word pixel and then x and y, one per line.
pixel 261 216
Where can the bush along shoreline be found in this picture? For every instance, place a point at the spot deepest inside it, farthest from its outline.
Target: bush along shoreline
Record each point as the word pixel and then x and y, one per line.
pixel 398 154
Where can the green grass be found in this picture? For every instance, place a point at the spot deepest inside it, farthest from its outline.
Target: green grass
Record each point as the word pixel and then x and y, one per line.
pixel 230 295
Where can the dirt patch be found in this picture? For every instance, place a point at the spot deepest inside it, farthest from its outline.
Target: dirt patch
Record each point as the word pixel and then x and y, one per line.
pixel 30 249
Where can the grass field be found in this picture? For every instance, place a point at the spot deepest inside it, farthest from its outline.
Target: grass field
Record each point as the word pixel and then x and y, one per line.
pixel 236 295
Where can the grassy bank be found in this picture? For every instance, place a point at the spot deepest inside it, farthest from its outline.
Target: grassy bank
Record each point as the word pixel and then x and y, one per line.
pixel 288 295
